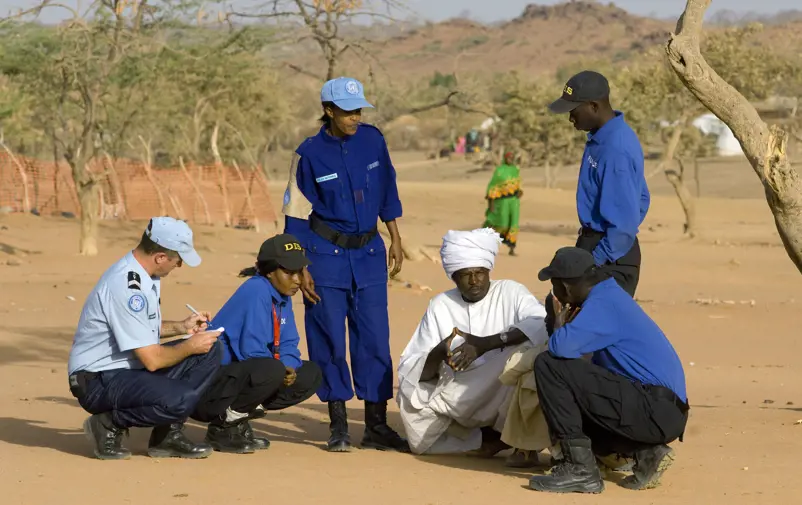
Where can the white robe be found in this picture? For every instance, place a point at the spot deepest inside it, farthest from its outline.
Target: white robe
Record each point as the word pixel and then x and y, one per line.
pixel 445 416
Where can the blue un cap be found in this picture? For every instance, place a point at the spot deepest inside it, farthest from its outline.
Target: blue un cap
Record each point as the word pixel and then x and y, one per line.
pixel 346 93
pixel 174 235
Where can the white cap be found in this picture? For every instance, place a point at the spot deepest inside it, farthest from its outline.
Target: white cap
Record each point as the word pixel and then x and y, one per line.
pixel 174 235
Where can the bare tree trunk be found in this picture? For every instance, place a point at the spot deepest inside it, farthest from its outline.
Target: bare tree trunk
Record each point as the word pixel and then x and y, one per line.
pixel 89 202
pixel 117 187
pixel 677 180
pixel 56 174
pixel 248 200
pixel 196 189
pixel 221 173
pixel 686 199
pixel 26 200
pixel 763 145
pixel 547 174
pixel 146 161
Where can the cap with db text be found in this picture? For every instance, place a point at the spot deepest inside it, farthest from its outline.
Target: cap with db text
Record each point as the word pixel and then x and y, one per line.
pixel 586 86
pixel 346 93
pixel 174 235
pixel 568 263
pixel 285 250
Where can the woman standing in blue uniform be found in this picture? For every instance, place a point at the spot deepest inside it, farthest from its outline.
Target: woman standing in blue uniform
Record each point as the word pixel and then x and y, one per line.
pixel 341 183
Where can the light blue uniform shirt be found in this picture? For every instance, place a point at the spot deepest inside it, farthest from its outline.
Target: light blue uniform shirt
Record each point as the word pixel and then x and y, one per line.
pixel 122 313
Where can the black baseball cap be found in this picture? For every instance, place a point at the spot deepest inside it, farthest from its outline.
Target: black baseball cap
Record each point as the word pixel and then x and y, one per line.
pixel 568 263
pixel 285 250
pixel 586 86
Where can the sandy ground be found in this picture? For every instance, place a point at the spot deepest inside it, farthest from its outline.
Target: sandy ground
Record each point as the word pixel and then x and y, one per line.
pixel 741 357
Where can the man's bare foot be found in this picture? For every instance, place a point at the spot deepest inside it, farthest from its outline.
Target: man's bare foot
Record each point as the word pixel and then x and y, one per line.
pixel 521 458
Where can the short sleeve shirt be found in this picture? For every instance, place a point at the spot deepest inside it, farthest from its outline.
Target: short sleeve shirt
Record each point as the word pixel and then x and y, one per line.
pixel 122 313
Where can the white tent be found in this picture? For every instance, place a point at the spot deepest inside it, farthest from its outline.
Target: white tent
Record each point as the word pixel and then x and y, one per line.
pixel 726 143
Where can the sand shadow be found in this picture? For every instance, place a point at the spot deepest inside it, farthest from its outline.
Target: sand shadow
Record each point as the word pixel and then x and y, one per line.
pixel 61 400
pixel 31 433
pixel 42 344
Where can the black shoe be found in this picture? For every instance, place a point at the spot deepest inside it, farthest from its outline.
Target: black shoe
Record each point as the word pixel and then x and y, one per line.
pixel 170 442
pixel 649 467
pixel 246 431
pixel 378 434
pixel 106 437
pixel 340 440
pixel 577 472
pixel 228 437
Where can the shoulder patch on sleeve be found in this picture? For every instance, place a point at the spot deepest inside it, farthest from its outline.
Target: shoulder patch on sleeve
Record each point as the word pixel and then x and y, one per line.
pixel 134 281
pixel 136 302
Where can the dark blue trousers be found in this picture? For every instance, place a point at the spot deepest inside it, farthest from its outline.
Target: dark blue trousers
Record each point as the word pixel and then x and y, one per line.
pixel 369 343
pixel 142 399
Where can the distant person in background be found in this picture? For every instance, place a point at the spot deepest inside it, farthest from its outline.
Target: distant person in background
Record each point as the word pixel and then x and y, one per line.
pixel 504 201
pixel 612 198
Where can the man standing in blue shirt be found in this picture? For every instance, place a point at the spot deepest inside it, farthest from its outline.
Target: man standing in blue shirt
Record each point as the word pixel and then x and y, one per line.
pixel 341 183
pixel 612 198
pixel 630 399
pixel 262 367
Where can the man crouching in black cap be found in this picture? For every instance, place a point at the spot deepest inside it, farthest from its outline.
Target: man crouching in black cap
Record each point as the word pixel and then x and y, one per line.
pixel 629 399
pixel 262 367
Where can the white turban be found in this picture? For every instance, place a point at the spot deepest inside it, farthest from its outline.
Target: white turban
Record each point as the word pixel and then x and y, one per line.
pixel 469 249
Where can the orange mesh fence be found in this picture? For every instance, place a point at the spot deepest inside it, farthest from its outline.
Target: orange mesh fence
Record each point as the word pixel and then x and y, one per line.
pixel 130 190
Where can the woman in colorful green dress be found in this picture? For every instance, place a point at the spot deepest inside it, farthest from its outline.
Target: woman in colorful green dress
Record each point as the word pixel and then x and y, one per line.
pixel 504 201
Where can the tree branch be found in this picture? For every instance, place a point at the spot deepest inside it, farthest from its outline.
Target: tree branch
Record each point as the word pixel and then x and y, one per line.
pixel 720 97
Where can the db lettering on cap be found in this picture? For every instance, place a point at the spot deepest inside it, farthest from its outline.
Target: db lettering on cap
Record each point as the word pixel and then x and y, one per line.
pixel 293 246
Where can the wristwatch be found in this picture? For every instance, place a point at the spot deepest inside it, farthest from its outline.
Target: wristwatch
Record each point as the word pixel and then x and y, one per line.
pixel 503 337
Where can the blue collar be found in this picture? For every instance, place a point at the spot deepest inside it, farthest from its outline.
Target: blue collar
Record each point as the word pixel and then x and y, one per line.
pixel 330 139
pixel 610 126
pixel 277 297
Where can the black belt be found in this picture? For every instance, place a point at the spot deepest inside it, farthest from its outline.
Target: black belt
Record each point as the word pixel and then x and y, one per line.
pixel 665 393
pixel 344 240
pixel 590 232
pixel 79 380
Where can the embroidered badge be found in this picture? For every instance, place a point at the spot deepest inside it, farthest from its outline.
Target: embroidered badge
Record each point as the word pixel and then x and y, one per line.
pixel 326 178
pixel 136 303
pixel 134 281
pixel 352 88
pixel 373 165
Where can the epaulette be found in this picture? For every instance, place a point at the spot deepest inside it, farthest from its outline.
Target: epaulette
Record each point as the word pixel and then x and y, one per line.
pixel 372 127
pixel 134 281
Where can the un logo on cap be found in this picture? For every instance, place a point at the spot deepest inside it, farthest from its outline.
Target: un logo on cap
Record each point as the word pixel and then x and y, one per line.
pixel 352 87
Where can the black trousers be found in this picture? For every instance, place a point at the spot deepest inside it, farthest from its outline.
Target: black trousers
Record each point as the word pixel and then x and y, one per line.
pixel 244 385
pixel 580 399
pixel 138 398
pixel 625 271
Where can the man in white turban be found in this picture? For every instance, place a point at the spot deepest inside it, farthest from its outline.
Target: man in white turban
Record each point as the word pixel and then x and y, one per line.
pixel 450 396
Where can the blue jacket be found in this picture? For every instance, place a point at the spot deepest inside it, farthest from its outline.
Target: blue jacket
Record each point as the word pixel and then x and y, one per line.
pixel 622 338
pixel 248 321
pixel 611 195
pixel 351 184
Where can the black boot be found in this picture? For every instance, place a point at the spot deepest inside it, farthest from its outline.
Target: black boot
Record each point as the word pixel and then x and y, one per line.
pixel 228 437
pixel 247 433
pixel 170 442
pixel 378 435
pixel 649 467
pixel 575 473
pixel 106 437
pixel 340 440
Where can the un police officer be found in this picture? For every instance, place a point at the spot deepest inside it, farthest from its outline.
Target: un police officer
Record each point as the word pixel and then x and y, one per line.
pixel 117 368
pixel 341 183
